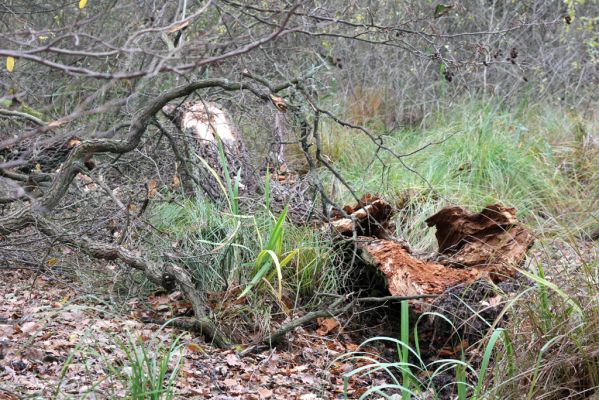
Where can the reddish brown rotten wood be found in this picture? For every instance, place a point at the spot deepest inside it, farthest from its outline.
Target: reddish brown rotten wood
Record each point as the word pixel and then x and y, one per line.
pixel 487 244
pixel 493 239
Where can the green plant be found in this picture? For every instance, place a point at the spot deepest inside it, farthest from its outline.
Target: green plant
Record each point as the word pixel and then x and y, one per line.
pixel 555 336
pixel 478 154
pixel 270 255
pixel 412 384
pixel 148 368
pixel 139 369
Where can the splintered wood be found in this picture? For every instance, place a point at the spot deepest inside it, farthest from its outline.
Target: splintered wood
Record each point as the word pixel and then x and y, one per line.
pixel 488 244
pixel 370 217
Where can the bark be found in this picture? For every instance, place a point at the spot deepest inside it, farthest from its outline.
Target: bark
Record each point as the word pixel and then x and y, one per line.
pixel 492 240
pixel 407 275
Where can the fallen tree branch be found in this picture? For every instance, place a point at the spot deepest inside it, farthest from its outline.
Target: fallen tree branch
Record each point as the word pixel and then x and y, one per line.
pixel 334 309
pixel 384 299
pixel 156 272
pixel 202 327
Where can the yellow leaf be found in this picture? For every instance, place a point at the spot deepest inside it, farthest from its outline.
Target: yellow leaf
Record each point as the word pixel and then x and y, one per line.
pixel 52 262
pixel 82 4
pixel 10 63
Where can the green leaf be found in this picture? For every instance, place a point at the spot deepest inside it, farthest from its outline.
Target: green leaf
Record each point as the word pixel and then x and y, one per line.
pixel 485 362
pixel 442 9
pixel 269 255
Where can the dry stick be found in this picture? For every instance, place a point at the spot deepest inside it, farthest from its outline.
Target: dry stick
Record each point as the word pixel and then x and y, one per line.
pixel 385 299
pixel 29 117
pixel 73 165
pixel 332 311
pixel 161 67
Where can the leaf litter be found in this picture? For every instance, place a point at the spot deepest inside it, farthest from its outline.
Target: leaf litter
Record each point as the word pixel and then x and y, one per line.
pixel 53 341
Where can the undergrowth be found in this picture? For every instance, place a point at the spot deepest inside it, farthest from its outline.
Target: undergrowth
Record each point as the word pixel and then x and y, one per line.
pixel 543 161
pixel 548 349
pixel 251 267
pixel 134 367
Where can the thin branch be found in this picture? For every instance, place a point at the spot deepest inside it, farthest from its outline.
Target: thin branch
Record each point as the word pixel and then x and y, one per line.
pixel 29 117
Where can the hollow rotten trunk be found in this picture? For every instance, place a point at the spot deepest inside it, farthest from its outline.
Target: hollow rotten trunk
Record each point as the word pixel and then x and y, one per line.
pixel 489 244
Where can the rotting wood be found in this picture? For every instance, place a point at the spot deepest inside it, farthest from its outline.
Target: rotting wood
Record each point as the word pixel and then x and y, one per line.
pixel 487 245
pixel 406 275
pixel 370 217
pixel 492 240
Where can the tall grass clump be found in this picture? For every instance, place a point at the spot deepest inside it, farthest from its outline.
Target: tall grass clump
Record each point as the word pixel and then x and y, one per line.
pixel 258 266
pixel 149 371
pixel 133 368
pixel 555 335
pixel 221 249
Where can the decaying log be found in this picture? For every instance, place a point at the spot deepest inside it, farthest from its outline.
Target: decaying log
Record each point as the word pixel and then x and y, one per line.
pixel 407 275
pixel 472 246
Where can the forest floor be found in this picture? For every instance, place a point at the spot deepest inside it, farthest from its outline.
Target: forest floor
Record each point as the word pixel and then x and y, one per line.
pixel 59 342
pixel 55 343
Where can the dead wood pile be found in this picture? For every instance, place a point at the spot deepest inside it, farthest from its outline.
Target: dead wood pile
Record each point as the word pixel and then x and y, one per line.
pixel 489 245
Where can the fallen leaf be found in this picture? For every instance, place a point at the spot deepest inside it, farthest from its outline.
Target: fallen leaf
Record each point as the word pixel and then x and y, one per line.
pixel 230 382
pixel 29 327
pixel 452 351
pixel 309 396
pixel 176 182
pixel 195 348
pixel 10 64
pixel 326 326
pixel 232 360
pixel 152 188
pixel 265 393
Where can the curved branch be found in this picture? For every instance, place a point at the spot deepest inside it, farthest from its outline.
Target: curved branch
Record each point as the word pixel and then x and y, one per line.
pixel 154 271
pixel 29 117
pixel 335 309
